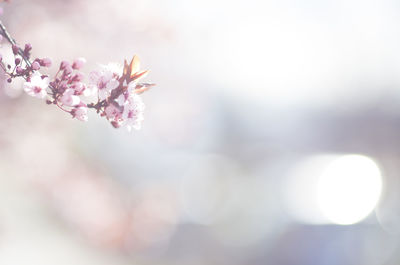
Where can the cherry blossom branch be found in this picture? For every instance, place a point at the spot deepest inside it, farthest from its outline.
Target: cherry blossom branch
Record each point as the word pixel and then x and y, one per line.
pixel 116 88
pixel 7 35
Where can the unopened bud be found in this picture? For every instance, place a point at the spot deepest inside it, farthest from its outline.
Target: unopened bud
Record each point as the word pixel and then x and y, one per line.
pixel 35 65
pixel 77 77
pixel 27 49
pixel 19 70
pixel 15 49
pixel 67 70
pixel 78 63
pixel 63 65
pixel 45 62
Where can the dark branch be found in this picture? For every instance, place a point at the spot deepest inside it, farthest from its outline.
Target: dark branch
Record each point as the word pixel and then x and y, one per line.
pixel 6 34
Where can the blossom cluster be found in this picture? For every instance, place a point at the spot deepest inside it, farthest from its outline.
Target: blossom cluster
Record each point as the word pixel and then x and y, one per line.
pixel 118 92
pixel 116 89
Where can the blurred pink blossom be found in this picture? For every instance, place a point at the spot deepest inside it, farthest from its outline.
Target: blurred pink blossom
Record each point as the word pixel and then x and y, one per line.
pixel 37 86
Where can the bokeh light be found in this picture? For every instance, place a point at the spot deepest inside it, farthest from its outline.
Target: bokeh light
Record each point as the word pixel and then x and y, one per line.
pixel 349 189
pixel 333 189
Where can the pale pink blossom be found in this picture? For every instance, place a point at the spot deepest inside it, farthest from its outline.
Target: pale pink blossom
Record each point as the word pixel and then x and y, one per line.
pixel 69 98
pixel 89 91
pixel 37 86
pixel 105 81
pixel 82 89
pixel 79 87
pixel 113 112
pixel 80 113
pixel 133 112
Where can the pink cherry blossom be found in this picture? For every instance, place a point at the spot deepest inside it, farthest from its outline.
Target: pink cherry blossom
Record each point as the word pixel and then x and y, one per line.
pixel 79 88
pixel 117 87
pixel 133 112
pixel 89 90
pixel 113 112
pixel 69 98
pixel 105 81
pixel 37 86
pixel 80 113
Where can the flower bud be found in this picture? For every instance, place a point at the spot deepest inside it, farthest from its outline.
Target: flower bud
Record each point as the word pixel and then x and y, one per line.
pixel 45 62
pixel 78 63
pixel 64 64
pixel 27 49
pixel 15 49
pixel 35 65
pixel 17 61
pixel 67 70
pixel 63 87
pixel 19 70
pixel 77 77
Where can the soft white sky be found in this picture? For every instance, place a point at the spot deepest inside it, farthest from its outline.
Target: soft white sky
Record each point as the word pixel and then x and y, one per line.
pixel 284 53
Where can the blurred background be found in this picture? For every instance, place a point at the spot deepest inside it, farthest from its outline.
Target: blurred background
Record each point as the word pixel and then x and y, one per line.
pixel 272 136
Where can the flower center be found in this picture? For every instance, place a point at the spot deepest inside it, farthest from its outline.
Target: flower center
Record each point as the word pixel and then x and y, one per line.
pixel 37 89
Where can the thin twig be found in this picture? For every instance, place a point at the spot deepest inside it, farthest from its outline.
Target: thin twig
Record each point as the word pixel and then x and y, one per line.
pixel 6 34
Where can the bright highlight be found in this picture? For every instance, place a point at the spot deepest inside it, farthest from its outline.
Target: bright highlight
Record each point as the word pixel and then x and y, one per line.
pixel 349 189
